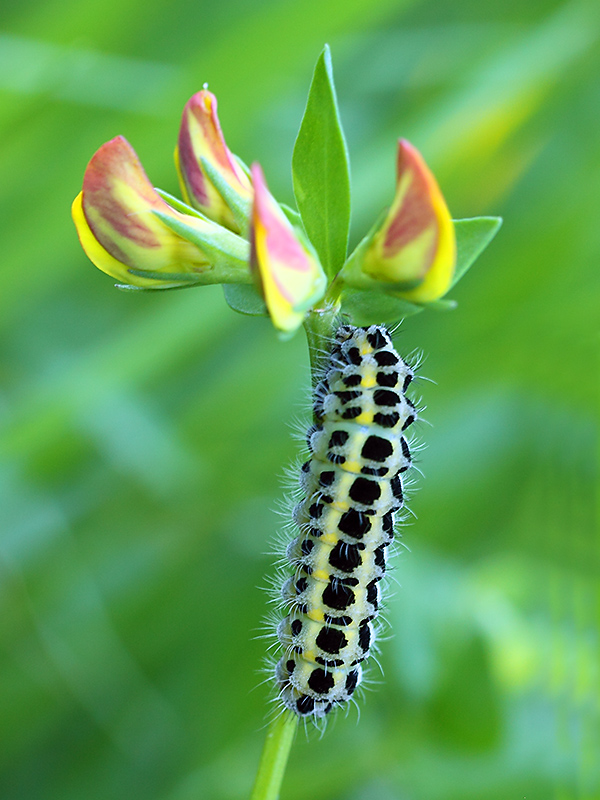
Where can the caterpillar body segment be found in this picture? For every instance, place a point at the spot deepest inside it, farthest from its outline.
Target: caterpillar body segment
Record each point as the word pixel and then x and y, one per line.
pixel 352 486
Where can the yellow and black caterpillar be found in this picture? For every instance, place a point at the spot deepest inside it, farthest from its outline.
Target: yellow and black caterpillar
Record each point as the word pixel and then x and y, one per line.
pixel 352 486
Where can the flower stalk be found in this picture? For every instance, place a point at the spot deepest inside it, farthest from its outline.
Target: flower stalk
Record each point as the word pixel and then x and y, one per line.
pixel 274 758
pixel 320 325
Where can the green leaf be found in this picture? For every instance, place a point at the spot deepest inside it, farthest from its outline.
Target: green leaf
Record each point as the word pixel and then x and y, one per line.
pixel 472 237
pixel 245 299
pixel 369 307
pixel 321 170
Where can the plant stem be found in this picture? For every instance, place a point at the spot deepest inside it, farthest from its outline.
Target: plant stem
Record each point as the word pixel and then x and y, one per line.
pixel 273 760
pixel 320 324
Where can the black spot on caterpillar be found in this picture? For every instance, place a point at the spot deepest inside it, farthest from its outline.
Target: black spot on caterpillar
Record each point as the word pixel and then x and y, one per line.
pixel 358 453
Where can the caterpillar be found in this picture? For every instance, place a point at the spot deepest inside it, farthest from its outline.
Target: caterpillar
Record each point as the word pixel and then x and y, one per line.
pixel 352 486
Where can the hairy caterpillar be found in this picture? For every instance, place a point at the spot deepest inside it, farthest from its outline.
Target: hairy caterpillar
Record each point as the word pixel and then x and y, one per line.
pixel 352 486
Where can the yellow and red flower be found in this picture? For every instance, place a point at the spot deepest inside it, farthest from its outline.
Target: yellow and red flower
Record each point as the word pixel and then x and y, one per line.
pixel 415 248
pixel 203 160
pixel 126 228
pixel 285 267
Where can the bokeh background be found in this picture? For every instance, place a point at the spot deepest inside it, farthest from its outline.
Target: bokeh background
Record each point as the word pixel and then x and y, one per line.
pixel 143 437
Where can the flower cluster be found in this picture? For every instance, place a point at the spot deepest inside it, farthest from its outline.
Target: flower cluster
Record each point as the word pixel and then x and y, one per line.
pixel 231 230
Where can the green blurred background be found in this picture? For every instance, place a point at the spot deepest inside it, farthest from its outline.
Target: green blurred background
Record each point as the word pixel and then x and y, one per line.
pixel 143 437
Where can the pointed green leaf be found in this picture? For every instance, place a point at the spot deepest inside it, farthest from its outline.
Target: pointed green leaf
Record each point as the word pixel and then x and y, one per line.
pixel 245 299
pixel 472 237
pixel 321 170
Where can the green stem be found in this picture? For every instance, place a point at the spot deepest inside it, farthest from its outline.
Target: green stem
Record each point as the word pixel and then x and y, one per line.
pixel 273 760
pixel 320 325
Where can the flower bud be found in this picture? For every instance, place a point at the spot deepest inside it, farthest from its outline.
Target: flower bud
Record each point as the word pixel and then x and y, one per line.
pixel 415 248
pixel 211 179
pixel 282 261
pixel 126 228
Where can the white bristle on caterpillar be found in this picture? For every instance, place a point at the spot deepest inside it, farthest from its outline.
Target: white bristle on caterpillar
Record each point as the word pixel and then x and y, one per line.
pixel 352 486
